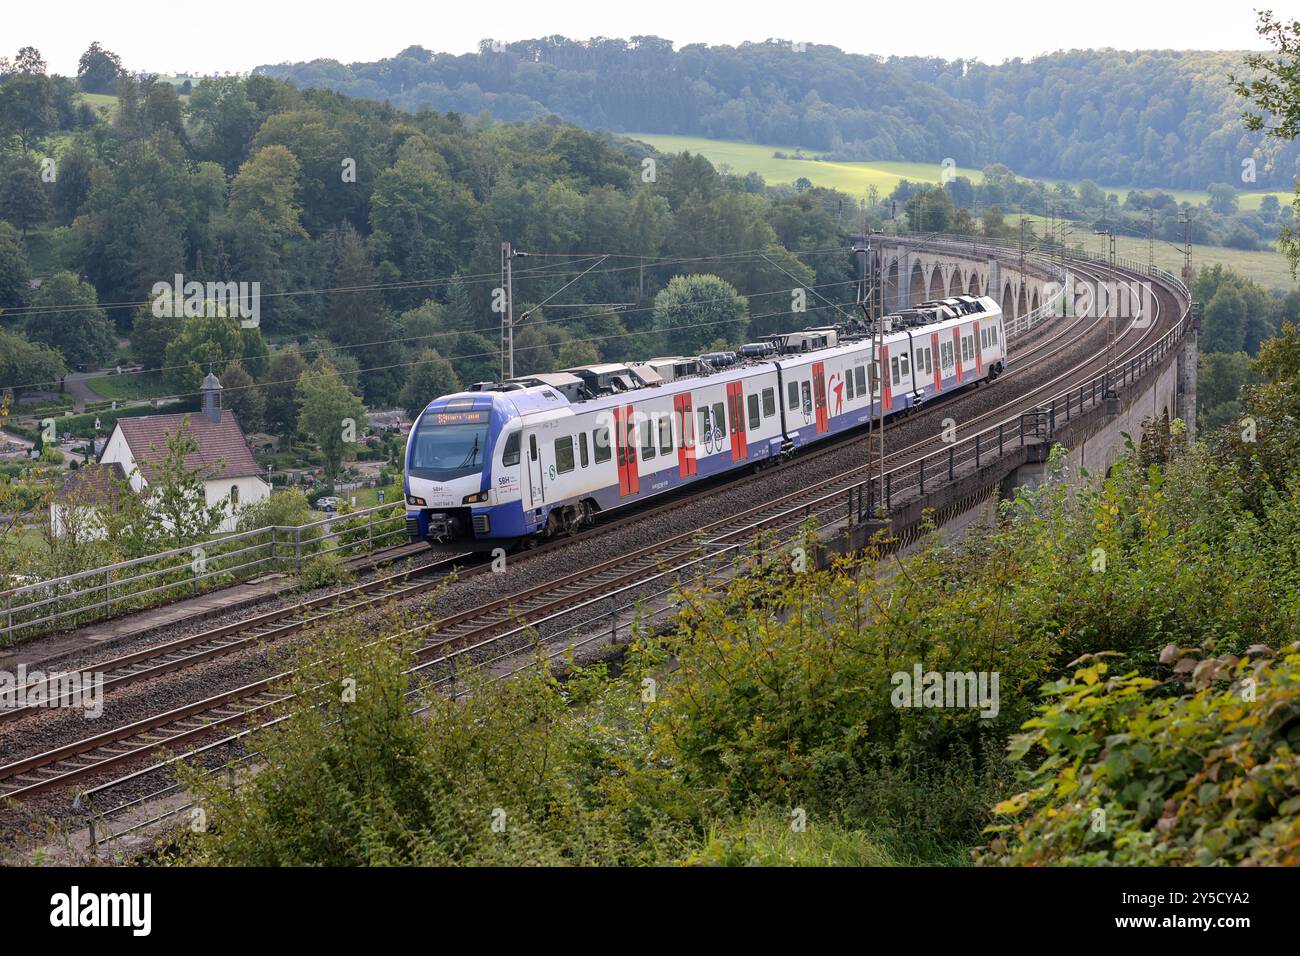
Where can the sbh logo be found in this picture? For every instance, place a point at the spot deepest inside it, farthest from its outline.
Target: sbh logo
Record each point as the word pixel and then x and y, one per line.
pixel 242 300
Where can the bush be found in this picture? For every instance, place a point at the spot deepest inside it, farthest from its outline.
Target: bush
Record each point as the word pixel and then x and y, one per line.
pixel 1126 775
pixel 324 571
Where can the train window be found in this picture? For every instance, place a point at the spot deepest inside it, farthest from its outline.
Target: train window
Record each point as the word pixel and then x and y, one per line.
pixel 903 365
pixel 893 370
pixel 929 363
pixel 582 449
pixel 532 447
pixel 993 334
pixel 848 384
pixel 666 434
pixel 860 373
pixel 945 354
pixel 510 455
pixel 564 454
pixel 719 420
pixel 793 397
pixel 647 440
pixel 769 402
pixel 807 398
pixel 600 439
pixel 754 419
pixel 706 425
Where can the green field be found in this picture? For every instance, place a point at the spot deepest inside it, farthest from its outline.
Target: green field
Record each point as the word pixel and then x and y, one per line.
pixel 125 388
pixel 856 178
pixel 1269 269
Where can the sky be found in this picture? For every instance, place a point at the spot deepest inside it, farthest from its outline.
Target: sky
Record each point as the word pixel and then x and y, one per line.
pixel 162 36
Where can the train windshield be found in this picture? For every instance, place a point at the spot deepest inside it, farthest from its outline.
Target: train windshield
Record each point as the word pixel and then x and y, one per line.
pixel 450 445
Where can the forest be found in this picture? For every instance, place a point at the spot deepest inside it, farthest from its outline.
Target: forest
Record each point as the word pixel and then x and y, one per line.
pixel 1149 118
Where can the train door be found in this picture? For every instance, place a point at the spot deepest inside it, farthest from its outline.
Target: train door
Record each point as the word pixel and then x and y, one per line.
pixel 977 339
pixel 938 371
pixel 682 405
pixel 736 418
pixel 536 490
pixel 887 391
pixel 629 481
pixel 957 357
pixel 819 395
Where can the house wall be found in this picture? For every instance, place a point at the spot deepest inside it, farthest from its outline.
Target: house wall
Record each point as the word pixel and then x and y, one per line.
pixel 117 450
pixel 251 489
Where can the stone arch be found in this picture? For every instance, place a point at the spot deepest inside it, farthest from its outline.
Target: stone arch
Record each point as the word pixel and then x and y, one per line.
pixel 954 282
pixel 974 287
pixel 1022 303
pixel 916 288
pixel 1034 301
pixel 1008 301
pixel 936 282
pixel 892 294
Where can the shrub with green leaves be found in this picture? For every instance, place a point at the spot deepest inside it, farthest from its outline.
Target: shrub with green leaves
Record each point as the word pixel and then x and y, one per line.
pixel 1122 773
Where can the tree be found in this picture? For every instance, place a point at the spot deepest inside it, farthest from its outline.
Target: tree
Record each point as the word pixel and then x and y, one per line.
pixel 280 391
pixel 14 271
pixel 328 412
pixel 1223 199
pixel 430 377
pixel 28 108
pixel 694 310
pixel 72 183
pixel 98 69
pixel 208 344
pixel 22 198
pixel 176 512
pixel 1274 91
pixel 243 397
pixel 25 364
pixel 151 334
pixel 66 315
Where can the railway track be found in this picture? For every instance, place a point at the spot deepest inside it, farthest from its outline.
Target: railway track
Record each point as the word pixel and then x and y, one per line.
pixel 469 631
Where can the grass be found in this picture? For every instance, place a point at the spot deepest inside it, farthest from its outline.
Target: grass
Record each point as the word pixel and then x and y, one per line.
pixel 125 388
pixel 1269 269
pixel 856 178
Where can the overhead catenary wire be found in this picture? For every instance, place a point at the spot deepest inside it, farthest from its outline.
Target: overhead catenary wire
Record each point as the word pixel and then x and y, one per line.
pixel 335 347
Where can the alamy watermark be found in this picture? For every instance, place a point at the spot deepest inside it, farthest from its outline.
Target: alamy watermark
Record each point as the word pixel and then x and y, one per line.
pixel 949 689
pixel 70 689
pixel 181 299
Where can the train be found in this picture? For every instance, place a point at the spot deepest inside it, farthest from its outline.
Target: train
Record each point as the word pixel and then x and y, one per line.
pixel 508 464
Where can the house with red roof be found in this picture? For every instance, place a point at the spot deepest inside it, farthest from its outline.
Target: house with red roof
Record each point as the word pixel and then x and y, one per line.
pixel 221 457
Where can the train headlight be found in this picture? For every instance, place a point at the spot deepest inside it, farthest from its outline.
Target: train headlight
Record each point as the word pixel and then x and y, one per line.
pixel 412 500
pixel 477 499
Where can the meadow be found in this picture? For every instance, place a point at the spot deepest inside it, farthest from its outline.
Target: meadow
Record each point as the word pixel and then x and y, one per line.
pixel 856 178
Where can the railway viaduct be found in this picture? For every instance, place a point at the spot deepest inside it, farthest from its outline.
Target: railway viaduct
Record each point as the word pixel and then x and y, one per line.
pixel 1150 374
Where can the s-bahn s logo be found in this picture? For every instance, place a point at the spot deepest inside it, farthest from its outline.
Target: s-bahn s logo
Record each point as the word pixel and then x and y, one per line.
pixel 550 472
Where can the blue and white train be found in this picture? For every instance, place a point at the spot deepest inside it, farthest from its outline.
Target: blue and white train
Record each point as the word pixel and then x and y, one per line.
pixel 543 455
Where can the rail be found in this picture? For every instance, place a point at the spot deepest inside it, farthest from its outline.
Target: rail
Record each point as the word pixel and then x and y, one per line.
pixel 1037 426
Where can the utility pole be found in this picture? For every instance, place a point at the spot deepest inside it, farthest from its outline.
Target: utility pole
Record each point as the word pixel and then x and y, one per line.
pixel 508 255
pixel 1185 217
pixel 871 301
pixel 1151 241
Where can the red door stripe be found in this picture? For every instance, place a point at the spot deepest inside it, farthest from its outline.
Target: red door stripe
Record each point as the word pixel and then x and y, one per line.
pixel 886 390
pixel 956 353
pixel 934 357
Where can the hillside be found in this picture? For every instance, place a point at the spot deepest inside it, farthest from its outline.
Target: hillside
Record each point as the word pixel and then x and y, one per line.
pixel 1146 118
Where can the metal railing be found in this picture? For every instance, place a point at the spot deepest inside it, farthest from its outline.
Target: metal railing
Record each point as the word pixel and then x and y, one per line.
pixel 97 593
pixel 1039 426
